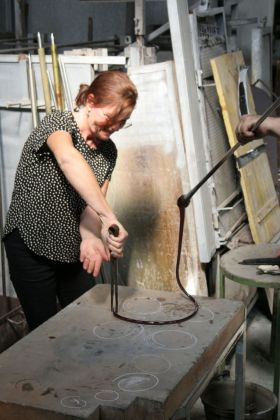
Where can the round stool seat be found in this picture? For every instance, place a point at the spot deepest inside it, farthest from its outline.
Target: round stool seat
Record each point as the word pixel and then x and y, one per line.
pixel 231 268
pixel 247 274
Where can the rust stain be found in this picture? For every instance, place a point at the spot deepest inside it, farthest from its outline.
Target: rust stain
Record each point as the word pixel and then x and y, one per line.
pixel 151 184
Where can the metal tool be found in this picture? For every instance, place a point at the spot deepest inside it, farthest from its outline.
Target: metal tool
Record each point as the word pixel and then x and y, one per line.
pixel 32 92
pixel 44 75
pixel 182 202
pixel 258 261
pixel 56 75
pixel 185 199
pixel 114 230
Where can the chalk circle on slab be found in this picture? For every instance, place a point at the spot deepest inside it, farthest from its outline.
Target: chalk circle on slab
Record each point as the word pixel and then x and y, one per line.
pixel 171 339
pixel 107 395
pixel 151 363
pixel 73 401
pixel 141 306
pixel 159 309
pixel 203 315
pixel 116 330
pixel 135 382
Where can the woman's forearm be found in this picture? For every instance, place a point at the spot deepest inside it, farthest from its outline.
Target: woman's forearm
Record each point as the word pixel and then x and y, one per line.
pixel 272 125
pixel 90 224
pixel 80 175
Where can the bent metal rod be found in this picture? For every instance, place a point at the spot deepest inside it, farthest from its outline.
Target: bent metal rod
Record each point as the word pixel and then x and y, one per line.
pixel 182 202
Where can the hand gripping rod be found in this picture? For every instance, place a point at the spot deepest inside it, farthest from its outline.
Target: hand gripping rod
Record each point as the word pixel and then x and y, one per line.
pixel 185 199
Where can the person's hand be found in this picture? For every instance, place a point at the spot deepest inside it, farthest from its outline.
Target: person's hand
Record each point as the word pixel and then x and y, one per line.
pixel 92 254
pixel 244 131
pixel 114 243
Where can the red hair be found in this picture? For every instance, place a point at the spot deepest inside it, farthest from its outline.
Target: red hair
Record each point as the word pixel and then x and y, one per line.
pixel 109 87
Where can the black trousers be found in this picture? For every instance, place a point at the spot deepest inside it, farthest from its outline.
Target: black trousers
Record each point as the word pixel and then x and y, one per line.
pixel 41 283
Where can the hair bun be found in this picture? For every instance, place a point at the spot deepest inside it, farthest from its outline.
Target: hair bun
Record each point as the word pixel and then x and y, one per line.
pixel 82 94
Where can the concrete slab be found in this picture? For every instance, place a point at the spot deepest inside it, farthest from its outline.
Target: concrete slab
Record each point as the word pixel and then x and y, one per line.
pixel 86 364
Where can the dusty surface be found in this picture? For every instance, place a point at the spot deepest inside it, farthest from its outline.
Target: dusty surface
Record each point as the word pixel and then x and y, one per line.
pixel 85 363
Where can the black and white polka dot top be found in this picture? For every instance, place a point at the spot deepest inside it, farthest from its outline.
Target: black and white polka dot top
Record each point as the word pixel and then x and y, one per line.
pixel 45 208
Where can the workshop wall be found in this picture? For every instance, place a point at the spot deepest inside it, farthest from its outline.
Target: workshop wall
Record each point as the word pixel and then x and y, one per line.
pixel 68 19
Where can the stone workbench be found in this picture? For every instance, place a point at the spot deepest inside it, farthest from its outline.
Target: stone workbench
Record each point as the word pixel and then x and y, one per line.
pixel 86 364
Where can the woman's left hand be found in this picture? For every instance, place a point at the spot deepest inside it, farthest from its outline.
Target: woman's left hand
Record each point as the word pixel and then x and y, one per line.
pixel 92 254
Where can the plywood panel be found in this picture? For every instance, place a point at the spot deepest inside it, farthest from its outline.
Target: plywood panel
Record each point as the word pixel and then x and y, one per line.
pixel 226 70
pixel 151 174
pixel 261 199
pixel 256 180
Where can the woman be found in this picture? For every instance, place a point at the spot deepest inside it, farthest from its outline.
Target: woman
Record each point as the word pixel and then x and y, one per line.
pixel 57 224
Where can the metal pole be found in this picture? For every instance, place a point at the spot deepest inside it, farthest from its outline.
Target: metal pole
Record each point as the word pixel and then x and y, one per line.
pixel 77 44
pixel 185 199
pixel 44 76
pixel 3 265
pixel 32 91
pixel 56 75
pixel 66 85
pixel 240 355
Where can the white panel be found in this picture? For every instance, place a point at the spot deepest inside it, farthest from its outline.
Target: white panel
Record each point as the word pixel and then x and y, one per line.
pixel 191 122
pixel 151 174
pixel 15 122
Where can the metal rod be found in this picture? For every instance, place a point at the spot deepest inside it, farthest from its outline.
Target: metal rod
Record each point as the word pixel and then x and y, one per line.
pixel 66 85
pixel 44 76
pixel 52 90
pixel 77 44
pixel 151 36
pixel 56 75
pixel 3 265
pixel 185 199
pixel 32 91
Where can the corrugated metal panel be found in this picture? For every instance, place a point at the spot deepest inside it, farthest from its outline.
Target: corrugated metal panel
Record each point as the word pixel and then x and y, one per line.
pixel 206 54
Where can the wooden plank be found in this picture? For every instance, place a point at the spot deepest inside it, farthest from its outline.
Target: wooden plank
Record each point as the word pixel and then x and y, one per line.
pixel 151 174
pixel 260 197
pixel 261 201
pixel 267 208
pixel 225 70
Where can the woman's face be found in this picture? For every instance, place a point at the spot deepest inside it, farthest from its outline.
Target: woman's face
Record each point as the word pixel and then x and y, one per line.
pixel 105 120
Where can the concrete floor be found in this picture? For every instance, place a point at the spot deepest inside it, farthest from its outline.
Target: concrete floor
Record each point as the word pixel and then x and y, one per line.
pixel 259 368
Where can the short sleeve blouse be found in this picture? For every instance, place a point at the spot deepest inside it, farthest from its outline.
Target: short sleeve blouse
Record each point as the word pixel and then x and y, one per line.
pixel 45 208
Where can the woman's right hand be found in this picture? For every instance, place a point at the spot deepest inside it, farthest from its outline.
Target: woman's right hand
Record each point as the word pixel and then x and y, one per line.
pixel 114 243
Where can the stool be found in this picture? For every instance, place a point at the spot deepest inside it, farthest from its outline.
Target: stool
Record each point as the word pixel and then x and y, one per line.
pixel 247 275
